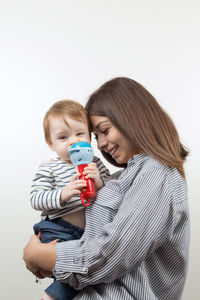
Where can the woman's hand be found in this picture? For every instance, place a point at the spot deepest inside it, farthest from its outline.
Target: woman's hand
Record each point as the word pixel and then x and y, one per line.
pixel 40 259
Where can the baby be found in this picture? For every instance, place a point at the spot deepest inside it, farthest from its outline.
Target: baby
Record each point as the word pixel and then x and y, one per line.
pixel 56 186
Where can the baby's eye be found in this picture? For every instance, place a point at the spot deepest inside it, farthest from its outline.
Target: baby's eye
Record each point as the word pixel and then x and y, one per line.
pixel 80 133
pixel 62 137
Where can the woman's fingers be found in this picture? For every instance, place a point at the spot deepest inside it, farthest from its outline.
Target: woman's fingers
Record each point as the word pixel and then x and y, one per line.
pixel 54 241
pixel 38 274
pixel 44 274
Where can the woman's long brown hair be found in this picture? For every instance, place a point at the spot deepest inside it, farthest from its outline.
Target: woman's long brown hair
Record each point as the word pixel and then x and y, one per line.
pixel 139 117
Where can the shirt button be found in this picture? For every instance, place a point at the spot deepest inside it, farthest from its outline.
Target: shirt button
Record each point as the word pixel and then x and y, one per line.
pixel 84 269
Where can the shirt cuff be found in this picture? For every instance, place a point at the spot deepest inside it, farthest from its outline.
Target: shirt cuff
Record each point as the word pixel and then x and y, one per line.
pixel 68 262
pixel 57 198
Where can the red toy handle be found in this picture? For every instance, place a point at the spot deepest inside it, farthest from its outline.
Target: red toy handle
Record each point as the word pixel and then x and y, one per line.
pixel 89 192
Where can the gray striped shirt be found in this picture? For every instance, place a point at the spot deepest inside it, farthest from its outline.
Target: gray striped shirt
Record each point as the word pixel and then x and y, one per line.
pixel 49 180
pixel 136 239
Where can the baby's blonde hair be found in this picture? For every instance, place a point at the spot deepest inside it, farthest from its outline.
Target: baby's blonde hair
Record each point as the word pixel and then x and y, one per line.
pixel 61 109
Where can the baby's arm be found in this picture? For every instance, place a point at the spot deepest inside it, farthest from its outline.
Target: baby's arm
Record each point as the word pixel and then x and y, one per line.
pixel 92 172
pixel 98 172
pixel 45 197
pixel 72 188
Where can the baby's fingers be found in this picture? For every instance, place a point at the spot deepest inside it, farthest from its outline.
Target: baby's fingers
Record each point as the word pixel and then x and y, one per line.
pixel 90 170
pixel 74 177
pixel 91 173
pixel 91 166
pixel 75 192
pixel 92 176
pixel 78 184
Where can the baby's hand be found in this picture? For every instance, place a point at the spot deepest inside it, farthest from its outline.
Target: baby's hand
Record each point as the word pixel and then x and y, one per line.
pixel 72 188
pixel 92 172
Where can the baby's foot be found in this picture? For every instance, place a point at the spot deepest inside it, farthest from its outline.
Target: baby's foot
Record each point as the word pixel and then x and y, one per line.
pixel 47 297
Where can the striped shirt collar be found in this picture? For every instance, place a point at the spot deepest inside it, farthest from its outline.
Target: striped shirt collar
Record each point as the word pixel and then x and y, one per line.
pixel 138 158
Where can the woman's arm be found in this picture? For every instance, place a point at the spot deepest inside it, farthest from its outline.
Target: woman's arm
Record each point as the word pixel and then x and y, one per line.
pixel 142 223
pixel 40 258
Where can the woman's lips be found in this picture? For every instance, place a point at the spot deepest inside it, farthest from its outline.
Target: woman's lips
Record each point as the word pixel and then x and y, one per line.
pixel 113 151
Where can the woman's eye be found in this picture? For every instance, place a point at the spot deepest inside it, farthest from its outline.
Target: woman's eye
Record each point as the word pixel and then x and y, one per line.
pixel 105 131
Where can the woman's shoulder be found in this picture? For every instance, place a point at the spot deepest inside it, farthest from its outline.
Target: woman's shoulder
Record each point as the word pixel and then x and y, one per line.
pixel 151 172
pixel 145 163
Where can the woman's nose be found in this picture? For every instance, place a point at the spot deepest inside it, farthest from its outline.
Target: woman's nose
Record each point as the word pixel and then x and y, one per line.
pixel 101 143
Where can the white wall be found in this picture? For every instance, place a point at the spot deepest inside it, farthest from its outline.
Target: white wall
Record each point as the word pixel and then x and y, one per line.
pixel 52 50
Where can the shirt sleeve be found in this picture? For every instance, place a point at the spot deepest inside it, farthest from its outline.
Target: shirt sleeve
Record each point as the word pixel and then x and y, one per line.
pixel 143 221
pixel 104 172
pixel 43 196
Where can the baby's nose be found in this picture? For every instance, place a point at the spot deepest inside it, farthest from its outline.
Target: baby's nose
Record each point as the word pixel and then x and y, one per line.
pixel 73 141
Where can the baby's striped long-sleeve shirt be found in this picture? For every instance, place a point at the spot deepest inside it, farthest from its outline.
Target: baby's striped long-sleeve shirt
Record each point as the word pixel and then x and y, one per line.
pixel 49 180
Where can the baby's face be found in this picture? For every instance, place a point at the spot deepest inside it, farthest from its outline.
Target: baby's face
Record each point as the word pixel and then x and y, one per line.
pixel 64 133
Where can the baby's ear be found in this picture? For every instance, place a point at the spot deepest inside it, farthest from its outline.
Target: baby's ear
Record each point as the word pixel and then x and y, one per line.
pixel 51 146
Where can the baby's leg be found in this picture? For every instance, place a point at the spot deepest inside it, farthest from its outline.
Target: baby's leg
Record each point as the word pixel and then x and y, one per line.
pixel 61 291
pixel 47 297
pixel 64 231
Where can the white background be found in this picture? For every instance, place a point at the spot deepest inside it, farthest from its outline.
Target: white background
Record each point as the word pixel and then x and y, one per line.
pixel 56 49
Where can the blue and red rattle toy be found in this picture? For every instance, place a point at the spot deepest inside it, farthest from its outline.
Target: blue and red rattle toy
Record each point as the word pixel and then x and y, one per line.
pixel 81 154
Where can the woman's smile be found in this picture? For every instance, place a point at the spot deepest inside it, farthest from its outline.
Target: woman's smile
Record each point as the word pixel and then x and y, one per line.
pixel 113 151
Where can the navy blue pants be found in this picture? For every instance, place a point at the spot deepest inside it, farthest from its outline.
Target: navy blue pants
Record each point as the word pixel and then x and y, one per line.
pixel 64 231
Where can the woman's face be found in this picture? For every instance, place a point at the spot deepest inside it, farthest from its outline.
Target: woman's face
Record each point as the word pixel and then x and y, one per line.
pixel 111 140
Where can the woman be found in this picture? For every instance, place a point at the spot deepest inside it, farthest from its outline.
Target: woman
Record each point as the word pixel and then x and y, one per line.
pixel 136 239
